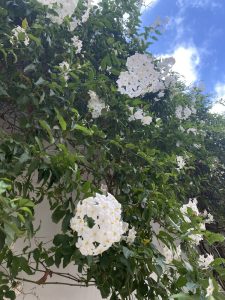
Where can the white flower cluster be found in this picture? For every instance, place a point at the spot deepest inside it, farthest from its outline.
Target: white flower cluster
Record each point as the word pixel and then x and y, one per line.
pixel 196 238
pixel 164 66
pixel 180 162
pixel 19 34
pixel 192 204
pixel 64 8
pixel 184 113
pixel 139 115
pixel 77 44
pixel 171 255
pixel 65 69
pixel 143 76
pixel 67 8
pixel 205 261
pixel 209 218
pixel 192 130
pixel 95 105
pixel 129 234
pixel 107 227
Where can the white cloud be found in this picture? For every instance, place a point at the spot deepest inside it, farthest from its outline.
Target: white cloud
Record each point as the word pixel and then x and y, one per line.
pixel 187 61
pixel 148 4
pixel 199 3
pixel 219 108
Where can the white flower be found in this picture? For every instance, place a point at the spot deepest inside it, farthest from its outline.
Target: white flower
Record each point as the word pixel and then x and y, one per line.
pixel 192 130
pixel 98 224
pixel 184 113
pixel 65 69
pixel 197 146
pixel 196 238
pixel 205 261
pixel 210 288
pixel 170 255
pixel 125 226
pixel 180 162
pixel 64 66
pixel 192 204
pixel 19 34
pixel 202 227
pixel 95 105
pixel 142 76
pixel 77 44
pixel 210 218
pixel 131 236
pixel 139 115
pixel 146 120
pixel 161 94
pixel 64 8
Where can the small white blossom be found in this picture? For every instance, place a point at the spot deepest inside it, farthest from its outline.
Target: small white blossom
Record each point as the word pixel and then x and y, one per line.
pixel 65 69
pixel 197 146
pixel 170 255
pixel 125 226
pixel 95 105
pixel 202 227
pixel 139 115
pixel 146 120
pixel 192 204
pixel 19 34
pixel 210 288
pixel 192 130
pixel 205 261
pixel 184 113
pixel 180 162
pixel 107 227
pixel 196 238
pixel 131 236
pixel 161 94
pixel 210 218
pixel 77 44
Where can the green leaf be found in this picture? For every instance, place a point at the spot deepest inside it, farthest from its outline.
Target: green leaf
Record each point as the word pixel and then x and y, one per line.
pixel 3 92
pixel 21 217
pixel 66 221
pixel 61 120
pixel 26 209
pixel 218 261
pixel 126 252
pixel 58 214
pixel 183 296
pixel 47 128
pixel 35 39
pixel 24 24
pixel 3 187
pixel 213 237
pixel 84 129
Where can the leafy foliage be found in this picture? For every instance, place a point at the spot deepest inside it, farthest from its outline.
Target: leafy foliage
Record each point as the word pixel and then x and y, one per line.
pixel 52 150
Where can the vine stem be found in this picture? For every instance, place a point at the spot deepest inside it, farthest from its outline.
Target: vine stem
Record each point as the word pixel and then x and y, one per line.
pixel 51 282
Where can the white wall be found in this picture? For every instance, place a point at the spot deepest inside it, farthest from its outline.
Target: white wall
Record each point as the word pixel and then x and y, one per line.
pixel 57 292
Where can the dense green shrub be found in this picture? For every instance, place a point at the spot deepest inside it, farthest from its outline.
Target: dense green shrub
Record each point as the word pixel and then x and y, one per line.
pixel 86 109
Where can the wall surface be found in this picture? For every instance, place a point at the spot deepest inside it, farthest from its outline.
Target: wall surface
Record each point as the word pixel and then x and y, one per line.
pixel 56 292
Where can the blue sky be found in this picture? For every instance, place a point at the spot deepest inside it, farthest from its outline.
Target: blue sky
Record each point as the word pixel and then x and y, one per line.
pixel 195 36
